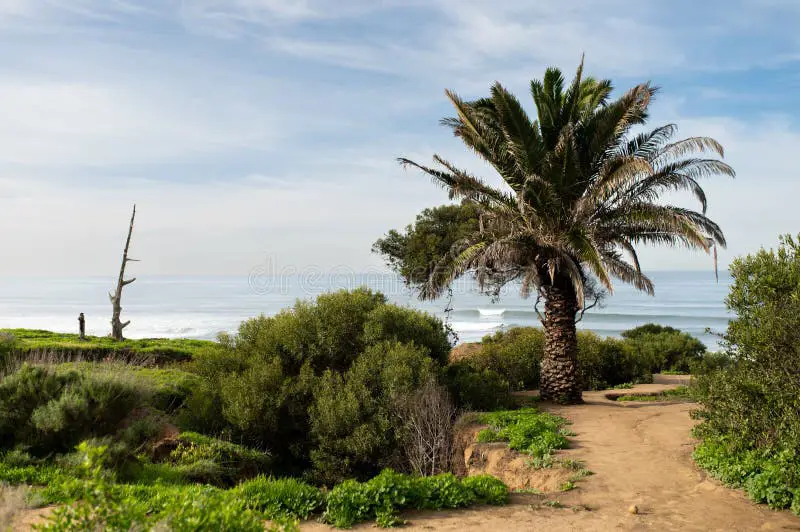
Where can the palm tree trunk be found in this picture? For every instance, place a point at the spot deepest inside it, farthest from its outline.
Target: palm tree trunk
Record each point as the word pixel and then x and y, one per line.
pixel 559 371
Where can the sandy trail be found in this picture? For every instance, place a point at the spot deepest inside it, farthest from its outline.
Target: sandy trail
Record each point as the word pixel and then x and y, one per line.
pixel 640 454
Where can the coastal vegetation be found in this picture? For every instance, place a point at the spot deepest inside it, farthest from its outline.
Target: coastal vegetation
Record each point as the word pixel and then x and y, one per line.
pixel 306 413
pixel 580 191
pixel 750 425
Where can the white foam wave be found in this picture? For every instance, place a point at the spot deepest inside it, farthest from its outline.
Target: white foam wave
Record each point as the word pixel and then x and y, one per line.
pixel 491 311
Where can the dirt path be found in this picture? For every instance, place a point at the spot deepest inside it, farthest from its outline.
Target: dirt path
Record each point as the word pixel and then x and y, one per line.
pixel 640 454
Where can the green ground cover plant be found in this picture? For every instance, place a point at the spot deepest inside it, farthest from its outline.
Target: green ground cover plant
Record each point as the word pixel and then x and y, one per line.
pixel 92 498
pixel 526 430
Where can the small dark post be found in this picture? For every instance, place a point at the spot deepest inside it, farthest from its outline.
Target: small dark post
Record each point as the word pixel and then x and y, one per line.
pixel 82 326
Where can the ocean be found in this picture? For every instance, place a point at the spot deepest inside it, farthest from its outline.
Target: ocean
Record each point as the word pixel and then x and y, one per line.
pixel 201 307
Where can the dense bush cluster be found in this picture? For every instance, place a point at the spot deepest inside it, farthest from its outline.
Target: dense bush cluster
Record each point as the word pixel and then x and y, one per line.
pixel 50 411
pixel 751 427
pixel 664 348
pixel 515 356
pixel 316 385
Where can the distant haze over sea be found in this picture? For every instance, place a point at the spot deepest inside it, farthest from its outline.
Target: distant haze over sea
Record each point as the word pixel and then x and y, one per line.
pixel 201 307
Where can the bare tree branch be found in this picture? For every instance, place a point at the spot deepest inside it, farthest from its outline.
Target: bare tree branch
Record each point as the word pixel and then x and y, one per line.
pixel 116 297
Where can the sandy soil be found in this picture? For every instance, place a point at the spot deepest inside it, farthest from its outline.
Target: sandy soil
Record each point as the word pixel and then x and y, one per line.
pixel 640 454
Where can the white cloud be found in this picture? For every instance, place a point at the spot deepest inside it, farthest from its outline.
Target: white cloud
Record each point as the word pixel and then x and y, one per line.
pixel 298 157
pixel 59 124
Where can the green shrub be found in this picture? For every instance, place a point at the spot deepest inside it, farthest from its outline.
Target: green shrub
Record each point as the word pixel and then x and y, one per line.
pixel 607 362
pixel 383 497
pixel 99 506
pixel 664 348
pixel 209 510
pixel 709 363
pixel 314 384
pixel 282 497
pixel 212 461
pixel 352 423
pixel 514 354
pixel 526 430
pixel 750 401
pixel 474 389
pixel 52 411
pixel 487 489
pixel 390 323
pixel 8 343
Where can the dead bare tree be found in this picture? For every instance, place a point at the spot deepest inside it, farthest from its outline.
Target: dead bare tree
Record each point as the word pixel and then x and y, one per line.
pixel 427 415
pixel 116 298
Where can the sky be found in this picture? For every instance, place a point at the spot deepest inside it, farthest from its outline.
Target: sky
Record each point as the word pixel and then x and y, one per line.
pixel 266 132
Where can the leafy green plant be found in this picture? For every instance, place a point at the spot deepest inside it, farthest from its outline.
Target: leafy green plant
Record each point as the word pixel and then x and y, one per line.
pixel 281 497
pixel 52 411
pixel 99 506
pixel 351 418
pixel 528 430
pixel 209 510
pixel 386 495
pixel 487 489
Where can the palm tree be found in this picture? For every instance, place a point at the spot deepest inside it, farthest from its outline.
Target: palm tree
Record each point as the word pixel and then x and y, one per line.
pixel 580 192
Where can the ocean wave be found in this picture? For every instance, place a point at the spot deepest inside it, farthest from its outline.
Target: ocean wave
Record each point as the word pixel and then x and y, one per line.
pixel 491 311
pixel 471 326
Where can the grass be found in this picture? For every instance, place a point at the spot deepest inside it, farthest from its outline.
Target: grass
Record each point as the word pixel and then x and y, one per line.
pixel 158 350
pixel 679 393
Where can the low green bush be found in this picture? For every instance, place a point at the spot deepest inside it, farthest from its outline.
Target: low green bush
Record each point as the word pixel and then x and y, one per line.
pixel 281 497
pixel 383 497
pixel 516 356
pixel 526 430
pixel 770 478
pixel 165 389
pixel 476 389
pixel 664 348
pixel 607 362
pixel 487 489
pixel 52 411
pixel 212 461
